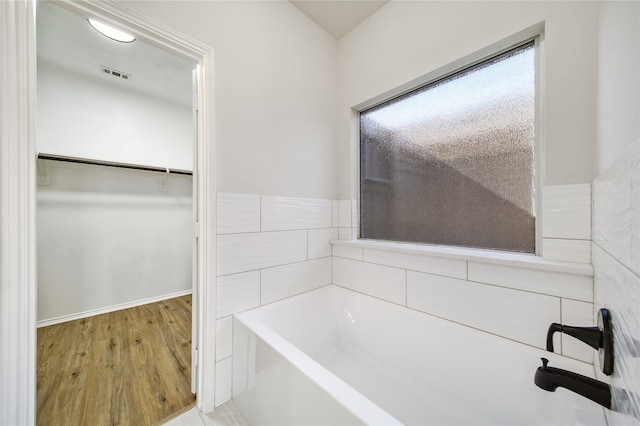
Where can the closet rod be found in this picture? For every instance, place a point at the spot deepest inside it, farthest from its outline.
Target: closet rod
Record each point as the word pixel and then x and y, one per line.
pixel 112 164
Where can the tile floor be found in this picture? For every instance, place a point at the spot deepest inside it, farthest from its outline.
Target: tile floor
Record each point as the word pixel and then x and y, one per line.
pixel 226 414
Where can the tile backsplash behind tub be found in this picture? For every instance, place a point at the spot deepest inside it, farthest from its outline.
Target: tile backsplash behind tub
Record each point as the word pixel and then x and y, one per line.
pixel 268 249
pixel 616 260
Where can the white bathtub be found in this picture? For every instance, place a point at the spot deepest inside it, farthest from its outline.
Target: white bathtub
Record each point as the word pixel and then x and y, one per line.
pixel 333 356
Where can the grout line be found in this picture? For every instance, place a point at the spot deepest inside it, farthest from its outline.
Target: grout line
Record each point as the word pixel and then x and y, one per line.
pixel 273 231
pixel 260 282
pixel 406 287
pixel 273 266
pixel 561 334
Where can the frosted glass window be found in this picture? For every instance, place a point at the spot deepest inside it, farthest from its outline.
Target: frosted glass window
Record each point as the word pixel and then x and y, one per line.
pixel 452 163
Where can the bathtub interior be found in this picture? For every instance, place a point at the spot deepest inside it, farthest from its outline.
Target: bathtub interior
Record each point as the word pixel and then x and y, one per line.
pixel 417 368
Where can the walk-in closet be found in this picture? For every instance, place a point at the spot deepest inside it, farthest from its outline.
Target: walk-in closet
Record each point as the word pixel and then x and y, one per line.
pixel 115 141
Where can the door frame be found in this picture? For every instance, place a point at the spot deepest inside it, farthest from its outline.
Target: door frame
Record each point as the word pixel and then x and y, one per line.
pixel 18 302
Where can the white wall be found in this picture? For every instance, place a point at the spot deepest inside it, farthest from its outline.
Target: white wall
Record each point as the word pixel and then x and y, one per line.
pixel 618 124
pixel 616 196
pixel 109 238
pixel 100 117
pixel 275 93
pixel 406 40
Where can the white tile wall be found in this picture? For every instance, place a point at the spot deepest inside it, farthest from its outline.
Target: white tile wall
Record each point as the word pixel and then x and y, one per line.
pixel 579 314
pixel 286 213
pixel 246 252
pixel 224 338
pixel 345 234
pixel 345 213
pixel 238 213
pixel 511 300
pixel 517 315
pixel 355 253
pixel 335 213
pixel 268 248
pixel 379 281
pixel 566 211
pixel 439 266
pixel 223 381
pixel 318 240
pixel 616 260
pixel 566 250
pixel 237 293
pixel 616 210
pixel 285 281
pixel 572 286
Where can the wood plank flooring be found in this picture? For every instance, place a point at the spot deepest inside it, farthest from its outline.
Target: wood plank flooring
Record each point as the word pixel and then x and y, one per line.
pixel 129 367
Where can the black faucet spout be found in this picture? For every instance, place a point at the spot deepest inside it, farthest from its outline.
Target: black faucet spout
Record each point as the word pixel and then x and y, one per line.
pixel 550 378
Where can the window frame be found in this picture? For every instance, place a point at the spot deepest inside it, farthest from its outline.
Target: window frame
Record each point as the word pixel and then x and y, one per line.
pixel 533 34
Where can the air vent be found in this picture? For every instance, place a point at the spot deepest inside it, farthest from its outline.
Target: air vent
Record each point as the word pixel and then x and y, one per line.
pixel 115 73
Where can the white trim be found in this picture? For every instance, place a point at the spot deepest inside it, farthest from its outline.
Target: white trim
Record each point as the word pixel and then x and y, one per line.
pixel 207 240
pixel 496 257
pixel 112 308
pixel 17 213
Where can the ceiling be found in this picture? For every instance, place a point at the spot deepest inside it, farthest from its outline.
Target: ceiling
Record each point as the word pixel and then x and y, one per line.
pixel 338 17
pixel 66 41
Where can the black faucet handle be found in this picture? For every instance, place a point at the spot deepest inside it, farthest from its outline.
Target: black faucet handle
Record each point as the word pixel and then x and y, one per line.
pixel 599 338
pixel 544 362
pixel 552 329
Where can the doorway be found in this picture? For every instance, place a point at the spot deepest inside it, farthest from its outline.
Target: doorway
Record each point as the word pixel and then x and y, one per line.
pixel 200 57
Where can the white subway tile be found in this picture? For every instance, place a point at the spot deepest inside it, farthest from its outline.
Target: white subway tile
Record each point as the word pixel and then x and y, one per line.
pixel 286 213
pixel 514 314
pixel 224 338
pixel 344 234
pixel 318 241
pixel 433 265
pixel 238 213
pixel 578 314
pixel 237 293
pixel 616 209
pixel 379 281
pixel 566 211
pixel 345 214
pixel 561 284
pixel 566 250
pixel 617 288
pixel 246 252
pixel 223 381
pixel 285 281
pixel 347 252
pixel 335 215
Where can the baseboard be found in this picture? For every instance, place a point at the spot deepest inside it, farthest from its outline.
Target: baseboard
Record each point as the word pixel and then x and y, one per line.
pixel 107 309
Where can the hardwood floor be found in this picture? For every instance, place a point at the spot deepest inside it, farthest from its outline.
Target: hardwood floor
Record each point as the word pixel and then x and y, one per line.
pixel 130 367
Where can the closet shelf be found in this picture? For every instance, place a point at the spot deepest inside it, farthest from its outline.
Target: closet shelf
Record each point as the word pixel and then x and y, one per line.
pixel 113 164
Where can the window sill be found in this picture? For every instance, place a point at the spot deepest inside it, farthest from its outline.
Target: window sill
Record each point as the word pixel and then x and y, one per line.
pixel 529 261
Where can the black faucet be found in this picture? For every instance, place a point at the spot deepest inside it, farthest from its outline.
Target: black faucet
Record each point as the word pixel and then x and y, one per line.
pixel 550 378
pixel 599 338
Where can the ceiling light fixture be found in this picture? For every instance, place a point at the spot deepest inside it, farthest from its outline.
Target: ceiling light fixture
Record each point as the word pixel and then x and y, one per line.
pixel 110 32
